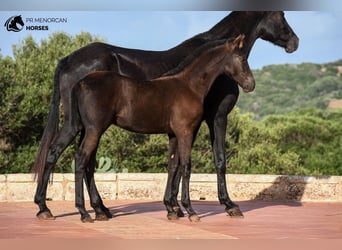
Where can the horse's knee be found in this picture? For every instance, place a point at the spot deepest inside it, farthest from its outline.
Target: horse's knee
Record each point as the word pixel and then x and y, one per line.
pixel 220 166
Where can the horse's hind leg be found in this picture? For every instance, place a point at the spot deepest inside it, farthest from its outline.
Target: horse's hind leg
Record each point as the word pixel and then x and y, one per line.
pixel 62 140
pixel 82 158
pixel 102 212
pixel 40 196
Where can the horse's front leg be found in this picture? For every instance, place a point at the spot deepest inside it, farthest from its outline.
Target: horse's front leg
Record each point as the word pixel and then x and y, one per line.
pixel 184 149
pixel 174 163
pixel 171 191
pixel 217 127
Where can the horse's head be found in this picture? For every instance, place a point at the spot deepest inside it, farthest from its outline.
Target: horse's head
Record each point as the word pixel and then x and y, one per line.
pixel 274 28
pixel 11 23
pixel 236 65
pixel 19 20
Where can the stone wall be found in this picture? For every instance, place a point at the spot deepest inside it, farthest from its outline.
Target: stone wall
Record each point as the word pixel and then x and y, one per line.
pixel 21 187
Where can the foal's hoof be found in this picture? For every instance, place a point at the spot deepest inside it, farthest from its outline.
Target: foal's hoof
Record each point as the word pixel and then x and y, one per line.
pixel 194 218
pixel 235 212
pixel 45 215
pixel 87 219
pixel 102 217
pixel 178 211
pixel 172 216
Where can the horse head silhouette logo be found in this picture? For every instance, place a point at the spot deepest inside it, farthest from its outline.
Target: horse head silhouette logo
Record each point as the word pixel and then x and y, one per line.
pixel 12 24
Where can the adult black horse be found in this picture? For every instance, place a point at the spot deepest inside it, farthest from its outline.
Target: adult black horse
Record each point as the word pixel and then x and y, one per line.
pixel 142 65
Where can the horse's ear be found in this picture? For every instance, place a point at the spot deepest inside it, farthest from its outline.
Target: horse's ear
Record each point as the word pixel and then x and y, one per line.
pixel 240 40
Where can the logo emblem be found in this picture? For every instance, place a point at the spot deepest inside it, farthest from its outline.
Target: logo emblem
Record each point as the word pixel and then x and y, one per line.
pixel 14 23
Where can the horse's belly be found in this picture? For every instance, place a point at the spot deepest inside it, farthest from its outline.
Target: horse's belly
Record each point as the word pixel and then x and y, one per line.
pixel 143 124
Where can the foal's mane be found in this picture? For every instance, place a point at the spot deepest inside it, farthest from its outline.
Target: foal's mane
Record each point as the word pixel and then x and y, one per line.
pixel 197 52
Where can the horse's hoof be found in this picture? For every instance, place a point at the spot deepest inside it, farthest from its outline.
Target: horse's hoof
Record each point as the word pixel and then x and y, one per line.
pixel 194 218
pixel 235 212
pixel 178 211
pixel 107 212
pixel 172 216
pixel 87 219
pixel 102 217
pixel 45 215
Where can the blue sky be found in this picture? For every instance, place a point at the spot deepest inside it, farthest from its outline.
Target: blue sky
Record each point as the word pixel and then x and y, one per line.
pixel 320 32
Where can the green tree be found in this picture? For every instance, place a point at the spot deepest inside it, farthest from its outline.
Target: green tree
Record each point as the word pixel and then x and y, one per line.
pixel 315 135
pixel 26 88
pixel 254 148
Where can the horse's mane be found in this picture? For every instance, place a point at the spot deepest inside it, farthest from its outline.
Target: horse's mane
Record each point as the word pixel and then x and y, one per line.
pixel 230 22
pixel 197 52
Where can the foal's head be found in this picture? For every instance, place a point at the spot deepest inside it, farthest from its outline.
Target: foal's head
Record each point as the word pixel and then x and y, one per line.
pixel 236 65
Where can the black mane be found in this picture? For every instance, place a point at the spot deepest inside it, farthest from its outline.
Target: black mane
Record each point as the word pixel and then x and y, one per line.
pixel 197 52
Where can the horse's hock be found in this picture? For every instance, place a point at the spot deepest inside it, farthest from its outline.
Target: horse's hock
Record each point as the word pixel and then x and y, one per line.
pixel 21 187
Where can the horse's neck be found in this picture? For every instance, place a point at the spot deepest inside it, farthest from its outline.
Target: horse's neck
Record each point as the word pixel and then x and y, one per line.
pixel 237 23
pixel 202 72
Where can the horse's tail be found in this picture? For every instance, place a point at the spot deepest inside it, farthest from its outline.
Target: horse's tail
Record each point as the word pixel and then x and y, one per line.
pixel 50 130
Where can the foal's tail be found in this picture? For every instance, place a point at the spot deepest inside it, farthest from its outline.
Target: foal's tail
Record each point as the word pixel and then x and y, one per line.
pixel 50 130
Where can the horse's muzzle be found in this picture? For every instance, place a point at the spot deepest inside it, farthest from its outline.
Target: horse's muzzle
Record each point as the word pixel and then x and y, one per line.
pixel 292 45
pixel 248 85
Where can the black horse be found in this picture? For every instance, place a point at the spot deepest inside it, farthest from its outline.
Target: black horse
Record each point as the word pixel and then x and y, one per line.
pixel 171 104
pixel 140 64
pixel 12 22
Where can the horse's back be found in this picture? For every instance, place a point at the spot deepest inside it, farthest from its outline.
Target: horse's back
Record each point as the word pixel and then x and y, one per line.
pixel 140 106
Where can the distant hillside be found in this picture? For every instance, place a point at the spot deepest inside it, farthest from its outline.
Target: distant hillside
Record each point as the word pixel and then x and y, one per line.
pixel 283 88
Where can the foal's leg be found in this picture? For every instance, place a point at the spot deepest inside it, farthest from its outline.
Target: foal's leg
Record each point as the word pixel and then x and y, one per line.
pixel 83 155
pixel 170 198
pixel 102 212
pixel 62 140
pixel 184 149
pixel 177 179
pixel 174 163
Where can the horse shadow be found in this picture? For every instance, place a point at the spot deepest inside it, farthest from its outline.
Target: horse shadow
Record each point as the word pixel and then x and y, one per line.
pixel 125 209
pixel 284 191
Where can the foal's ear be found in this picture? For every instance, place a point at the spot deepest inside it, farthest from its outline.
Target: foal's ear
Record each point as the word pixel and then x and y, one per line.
pixel 238 41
